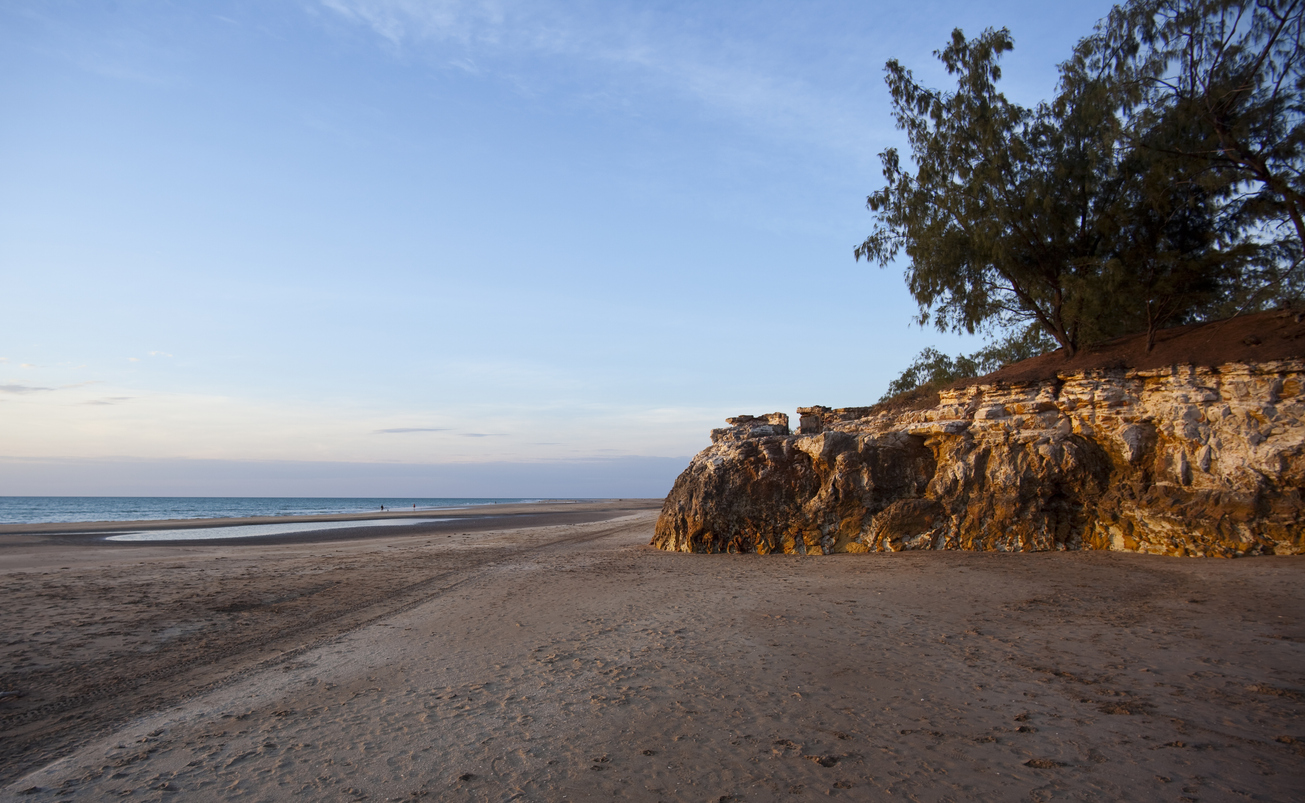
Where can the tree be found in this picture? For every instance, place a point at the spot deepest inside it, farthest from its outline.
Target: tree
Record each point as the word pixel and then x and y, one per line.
pixel 1016 216
pixel 1172 255
pixel 1217 86
pixel 989 238
pixel 931 369
pixel 964 146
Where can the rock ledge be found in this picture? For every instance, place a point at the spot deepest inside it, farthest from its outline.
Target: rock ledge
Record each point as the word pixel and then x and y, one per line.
pixel 1184 460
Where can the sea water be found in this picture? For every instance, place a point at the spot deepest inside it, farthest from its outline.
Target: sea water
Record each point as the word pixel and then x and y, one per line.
pixel 57 509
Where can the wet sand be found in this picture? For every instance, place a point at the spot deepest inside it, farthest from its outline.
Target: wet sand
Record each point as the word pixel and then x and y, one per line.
pixel 478 518
pixel 566 660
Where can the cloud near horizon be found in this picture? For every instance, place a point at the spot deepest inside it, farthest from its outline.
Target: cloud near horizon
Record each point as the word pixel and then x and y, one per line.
pixel 74 421
pixel 19 389
pixel 25 389
pixel 602 477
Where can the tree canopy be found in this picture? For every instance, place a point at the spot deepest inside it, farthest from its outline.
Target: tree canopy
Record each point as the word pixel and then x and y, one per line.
pixel 1152 190
pixel 1219 86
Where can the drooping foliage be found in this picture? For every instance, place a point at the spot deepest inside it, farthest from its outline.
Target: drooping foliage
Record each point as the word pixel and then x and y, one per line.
pixel 1217 87
pixel 1152 190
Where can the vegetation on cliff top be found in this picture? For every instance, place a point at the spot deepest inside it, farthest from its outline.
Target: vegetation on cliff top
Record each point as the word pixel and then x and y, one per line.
pixel 1163 185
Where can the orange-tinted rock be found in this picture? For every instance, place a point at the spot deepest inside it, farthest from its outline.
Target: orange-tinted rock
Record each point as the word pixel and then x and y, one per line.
pixel 1184 460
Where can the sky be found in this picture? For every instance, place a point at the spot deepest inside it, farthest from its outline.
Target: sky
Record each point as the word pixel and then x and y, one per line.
pixel 392 247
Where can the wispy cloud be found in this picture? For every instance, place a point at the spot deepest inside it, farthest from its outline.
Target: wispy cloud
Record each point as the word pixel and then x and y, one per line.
pixel 159 354
pixel 133 359
pixel 28 365
pixel 403 20
pixel 634 49
pixel 22 389
pixel 51 420
pixel 109 400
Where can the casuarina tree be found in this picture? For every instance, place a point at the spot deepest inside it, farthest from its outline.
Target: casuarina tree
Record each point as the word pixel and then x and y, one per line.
pixel 1016 216
pixel 1218 88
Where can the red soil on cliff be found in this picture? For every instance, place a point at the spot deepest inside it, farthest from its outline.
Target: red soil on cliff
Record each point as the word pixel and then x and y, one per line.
pixel 1261 337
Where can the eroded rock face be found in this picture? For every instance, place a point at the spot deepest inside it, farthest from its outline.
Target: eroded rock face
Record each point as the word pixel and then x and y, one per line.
pixel 743 427
pixel 1178 461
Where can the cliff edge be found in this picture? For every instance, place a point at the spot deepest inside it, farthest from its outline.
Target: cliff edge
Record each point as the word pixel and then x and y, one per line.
pixel 1196 448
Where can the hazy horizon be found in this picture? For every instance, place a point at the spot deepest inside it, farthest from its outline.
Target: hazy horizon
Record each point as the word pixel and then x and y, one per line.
pixel 599 478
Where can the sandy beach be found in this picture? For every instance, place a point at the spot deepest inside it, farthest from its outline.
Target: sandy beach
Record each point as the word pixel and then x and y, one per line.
pixel 550 654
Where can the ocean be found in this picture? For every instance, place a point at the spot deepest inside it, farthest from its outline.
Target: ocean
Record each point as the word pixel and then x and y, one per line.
pixel 55 509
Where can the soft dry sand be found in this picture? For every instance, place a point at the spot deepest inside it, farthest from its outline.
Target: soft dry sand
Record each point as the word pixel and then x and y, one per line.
pixel 569 661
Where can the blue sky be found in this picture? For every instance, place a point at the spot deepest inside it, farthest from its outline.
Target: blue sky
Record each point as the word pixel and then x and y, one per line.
pixel 552 240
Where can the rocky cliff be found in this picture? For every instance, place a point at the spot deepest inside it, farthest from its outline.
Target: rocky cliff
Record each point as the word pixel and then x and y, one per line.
pixel 1200 457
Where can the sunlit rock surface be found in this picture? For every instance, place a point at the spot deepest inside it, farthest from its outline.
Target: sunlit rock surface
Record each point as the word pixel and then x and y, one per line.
pixel 1183 460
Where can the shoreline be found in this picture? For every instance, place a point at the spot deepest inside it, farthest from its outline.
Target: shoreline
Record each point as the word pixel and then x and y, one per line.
pixel 474 516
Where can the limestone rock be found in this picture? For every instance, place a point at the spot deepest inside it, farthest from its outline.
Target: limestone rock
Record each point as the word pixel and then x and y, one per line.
pixel 1183 460
pixel 742 427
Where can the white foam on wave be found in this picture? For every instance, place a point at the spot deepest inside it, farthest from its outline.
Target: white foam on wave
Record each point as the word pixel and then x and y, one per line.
pixel 254 530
